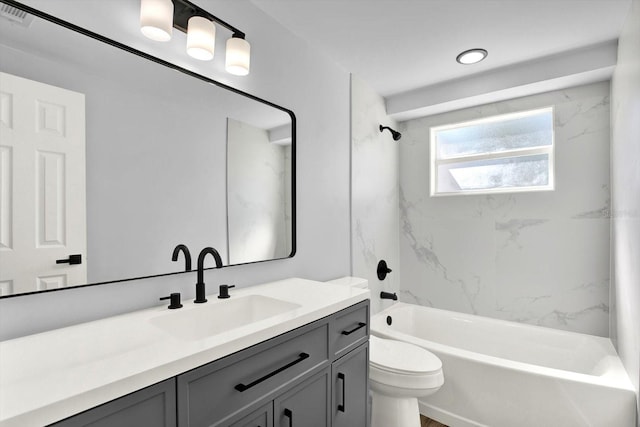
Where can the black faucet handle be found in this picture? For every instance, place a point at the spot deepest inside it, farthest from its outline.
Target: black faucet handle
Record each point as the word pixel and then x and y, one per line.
pixel 224 291
pixel 174 300
pixel 382 270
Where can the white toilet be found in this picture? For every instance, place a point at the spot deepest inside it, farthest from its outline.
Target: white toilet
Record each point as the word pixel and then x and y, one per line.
pixel 399 373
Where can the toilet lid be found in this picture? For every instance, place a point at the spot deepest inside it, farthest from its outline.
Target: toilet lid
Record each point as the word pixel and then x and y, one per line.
pixel 401 357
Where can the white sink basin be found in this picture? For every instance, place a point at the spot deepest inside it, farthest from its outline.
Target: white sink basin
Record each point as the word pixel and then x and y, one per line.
pixel 218 316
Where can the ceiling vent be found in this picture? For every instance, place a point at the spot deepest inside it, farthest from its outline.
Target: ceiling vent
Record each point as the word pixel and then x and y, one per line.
pixel 15 15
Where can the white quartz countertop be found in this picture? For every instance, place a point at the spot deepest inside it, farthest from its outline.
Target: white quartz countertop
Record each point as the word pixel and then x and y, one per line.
pixel 49 376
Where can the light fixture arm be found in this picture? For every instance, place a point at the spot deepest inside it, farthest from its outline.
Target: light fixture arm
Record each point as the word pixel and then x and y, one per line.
pixel 184 9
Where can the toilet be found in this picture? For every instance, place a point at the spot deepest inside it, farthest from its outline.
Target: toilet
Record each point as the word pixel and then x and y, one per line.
pixel 399 373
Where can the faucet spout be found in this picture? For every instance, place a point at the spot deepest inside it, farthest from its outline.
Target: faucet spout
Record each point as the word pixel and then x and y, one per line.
pixel 388 295
pixel 187 256
pixel 200 289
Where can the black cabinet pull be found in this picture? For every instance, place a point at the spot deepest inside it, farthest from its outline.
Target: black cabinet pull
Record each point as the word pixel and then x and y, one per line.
pixel 342 377
pixel 72 260
pixel 242 387
pixel 289 414
pixel 360 325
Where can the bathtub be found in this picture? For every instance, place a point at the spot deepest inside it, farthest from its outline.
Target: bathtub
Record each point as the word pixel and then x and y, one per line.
pixel 506 374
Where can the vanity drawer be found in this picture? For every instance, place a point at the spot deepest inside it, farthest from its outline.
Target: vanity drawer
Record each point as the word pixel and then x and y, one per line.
pixel 350 328
pixel 208 395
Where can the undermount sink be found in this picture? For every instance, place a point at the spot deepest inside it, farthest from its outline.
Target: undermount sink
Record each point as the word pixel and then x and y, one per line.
pixel 218 316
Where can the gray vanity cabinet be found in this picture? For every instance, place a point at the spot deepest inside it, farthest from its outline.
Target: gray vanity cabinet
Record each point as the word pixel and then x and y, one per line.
pixel 312 376
pixel 152 406
pixel 306 405
pixel 214 394
pixel 350 376
pixel 262 417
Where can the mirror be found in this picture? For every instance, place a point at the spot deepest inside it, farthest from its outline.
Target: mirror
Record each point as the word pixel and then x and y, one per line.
pixel 129 156
pixel 258 191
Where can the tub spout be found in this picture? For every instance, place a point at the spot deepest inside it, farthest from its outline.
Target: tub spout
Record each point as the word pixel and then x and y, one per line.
pixel 388 295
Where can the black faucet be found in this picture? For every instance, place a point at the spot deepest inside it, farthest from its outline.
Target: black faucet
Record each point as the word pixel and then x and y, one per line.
pixel 187 256
pixel 224 291
pixel 200 292
pixel 388 295
pixel 175 300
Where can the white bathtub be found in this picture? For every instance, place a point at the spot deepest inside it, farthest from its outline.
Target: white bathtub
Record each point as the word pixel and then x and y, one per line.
pixel 499 373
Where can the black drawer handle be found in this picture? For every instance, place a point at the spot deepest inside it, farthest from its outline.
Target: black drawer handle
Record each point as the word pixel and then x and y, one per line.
pixel 289 414
pixel 72 260
pixel 342 407
pixel 360 326
pixel 243 387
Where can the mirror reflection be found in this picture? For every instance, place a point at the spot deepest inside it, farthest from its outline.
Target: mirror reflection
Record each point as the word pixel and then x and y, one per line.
pixel 259 192
pixel 115 158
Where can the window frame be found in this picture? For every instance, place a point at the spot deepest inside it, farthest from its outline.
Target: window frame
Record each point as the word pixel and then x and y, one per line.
pixel 434 162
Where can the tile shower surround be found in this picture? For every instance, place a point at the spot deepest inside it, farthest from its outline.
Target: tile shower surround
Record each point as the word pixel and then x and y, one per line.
pixel 541 257
pixel 374 192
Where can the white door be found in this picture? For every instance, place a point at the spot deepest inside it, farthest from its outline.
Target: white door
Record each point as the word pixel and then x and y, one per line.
pixel 42 186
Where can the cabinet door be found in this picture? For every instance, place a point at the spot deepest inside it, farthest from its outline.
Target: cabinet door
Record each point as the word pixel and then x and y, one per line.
pixel 263 417
pixel 305 405
pixel 349 400
pixel 151 406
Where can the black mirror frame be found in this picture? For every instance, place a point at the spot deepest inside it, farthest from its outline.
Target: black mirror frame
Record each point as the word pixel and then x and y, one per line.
pixel 129 49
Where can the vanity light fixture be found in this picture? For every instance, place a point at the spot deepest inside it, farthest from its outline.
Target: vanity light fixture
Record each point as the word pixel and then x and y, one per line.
pixel 158 17
pixel 471 56
pixel 238 56
pixel 201 38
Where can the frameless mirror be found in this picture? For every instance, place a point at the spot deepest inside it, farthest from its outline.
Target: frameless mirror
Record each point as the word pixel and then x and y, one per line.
pixel 116 156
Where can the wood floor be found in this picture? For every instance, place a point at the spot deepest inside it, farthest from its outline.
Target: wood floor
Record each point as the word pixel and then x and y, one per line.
pixel 428 422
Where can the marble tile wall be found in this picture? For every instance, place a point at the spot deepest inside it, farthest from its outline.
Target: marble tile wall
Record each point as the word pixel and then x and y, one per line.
pixel 374 192
pixel 625 190
pixel 541 257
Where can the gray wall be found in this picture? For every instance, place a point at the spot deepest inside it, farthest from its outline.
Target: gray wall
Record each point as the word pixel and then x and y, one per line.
pixel 539 257
pixel 625 189
pixel 286 71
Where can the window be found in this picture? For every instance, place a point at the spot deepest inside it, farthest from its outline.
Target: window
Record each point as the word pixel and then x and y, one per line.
pixel 506 153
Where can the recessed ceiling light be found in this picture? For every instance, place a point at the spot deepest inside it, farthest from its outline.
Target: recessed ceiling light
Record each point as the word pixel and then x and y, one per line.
pixel 471 56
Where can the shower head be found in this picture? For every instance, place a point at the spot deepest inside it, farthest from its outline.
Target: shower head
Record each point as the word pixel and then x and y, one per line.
pixel 394 133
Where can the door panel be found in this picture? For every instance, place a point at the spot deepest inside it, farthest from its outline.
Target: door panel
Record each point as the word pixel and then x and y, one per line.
pixel 42 148
pixel 305 405
pixel 350 374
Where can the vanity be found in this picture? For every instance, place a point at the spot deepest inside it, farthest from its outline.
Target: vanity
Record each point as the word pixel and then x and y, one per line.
pixel 286 353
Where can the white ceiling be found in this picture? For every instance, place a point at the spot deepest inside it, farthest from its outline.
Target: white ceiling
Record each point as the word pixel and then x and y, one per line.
pixel 400 46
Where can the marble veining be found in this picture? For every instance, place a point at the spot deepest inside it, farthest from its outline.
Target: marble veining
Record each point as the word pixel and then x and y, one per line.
pixel 514 226
pixel 540 258
pixel 374 192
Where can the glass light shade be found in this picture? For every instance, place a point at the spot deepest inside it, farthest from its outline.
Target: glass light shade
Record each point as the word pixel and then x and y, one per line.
pixel 201 38
pixel 156 19
pixel 238 56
